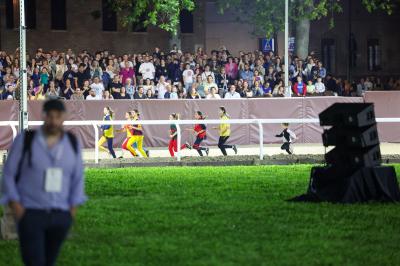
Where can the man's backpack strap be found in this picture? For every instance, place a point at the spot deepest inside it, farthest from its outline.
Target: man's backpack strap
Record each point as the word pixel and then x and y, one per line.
pixel 28 137
pixel 74 141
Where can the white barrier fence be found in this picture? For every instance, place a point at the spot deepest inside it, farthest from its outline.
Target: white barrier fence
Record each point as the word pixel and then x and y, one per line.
pixel 259 122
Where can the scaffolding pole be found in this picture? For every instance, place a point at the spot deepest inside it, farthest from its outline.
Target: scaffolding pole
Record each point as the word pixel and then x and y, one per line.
pixel 286 43
pixel 23 106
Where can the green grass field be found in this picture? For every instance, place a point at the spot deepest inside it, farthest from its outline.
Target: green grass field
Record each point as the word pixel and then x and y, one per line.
pixel 221 216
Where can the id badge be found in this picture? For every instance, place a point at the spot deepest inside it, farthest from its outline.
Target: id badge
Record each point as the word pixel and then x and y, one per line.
pixel 53 180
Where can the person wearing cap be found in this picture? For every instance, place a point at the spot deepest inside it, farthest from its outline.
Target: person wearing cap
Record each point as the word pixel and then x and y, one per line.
pixel 43 185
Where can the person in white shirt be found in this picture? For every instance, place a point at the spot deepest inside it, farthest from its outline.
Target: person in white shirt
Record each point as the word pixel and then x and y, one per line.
pixel 124 60
pixel 206 73
pixel 188 75
pixel 147 69
pixel 213 94
pixel 319 86
pixel 98 87
pixel 368 84
pixel 161 87
pixel 209 84
pixel 232 94
pixel 92 95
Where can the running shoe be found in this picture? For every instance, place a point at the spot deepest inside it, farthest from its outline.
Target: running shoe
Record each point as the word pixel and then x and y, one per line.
pixel 234 149
pixel 188 146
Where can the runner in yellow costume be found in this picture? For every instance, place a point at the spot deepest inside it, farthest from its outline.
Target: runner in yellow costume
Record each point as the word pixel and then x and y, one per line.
pixel 137 135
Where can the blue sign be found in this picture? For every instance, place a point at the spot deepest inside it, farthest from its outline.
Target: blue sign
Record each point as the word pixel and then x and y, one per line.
pixel 267 45
pixel 292 44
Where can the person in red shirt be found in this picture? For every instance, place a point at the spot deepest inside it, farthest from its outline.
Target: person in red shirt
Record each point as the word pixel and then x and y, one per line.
pixel 201 134
pixel 300 87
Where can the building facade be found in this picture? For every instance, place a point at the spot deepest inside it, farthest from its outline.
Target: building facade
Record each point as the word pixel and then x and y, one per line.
pixel 92 25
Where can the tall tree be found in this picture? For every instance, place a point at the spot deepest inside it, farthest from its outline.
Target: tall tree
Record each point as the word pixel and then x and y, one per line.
pixel 267 16
pixel 164 14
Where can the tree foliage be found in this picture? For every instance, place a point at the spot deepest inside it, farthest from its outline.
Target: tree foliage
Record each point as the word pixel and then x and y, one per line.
pixel 268 16
pixel 160 13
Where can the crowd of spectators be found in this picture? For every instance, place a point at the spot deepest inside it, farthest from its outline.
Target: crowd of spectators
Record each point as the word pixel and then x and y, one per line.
pixel 173 75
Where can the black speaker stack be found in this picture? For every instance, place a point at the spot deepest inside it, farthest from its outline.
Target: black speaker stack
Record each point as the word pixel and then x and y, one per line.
pixel 353 171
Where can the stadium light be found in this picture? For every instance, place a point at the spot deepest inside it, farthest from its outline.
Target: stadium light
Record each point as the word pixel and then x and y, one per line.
pixel 23 106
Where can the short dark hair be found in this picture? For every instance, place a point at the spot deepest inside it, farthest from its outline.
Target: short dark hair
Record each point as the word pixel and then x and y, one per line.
pixel 53 105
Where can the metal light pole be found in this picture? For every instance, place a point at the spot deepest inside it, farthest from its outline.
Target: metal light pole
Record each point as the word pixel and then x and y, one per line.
pixel 23 106
pixel 7 224
pixel 287 44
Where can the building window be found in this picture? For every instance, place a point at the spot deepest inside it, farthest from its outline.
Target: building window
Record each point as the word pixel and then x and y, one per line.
pixel 139 25
pixel 30 14
pixel 328 49
pixel 58 15
pixel 109 16
pixel 374 55
pixel 12 14
pixel 186 21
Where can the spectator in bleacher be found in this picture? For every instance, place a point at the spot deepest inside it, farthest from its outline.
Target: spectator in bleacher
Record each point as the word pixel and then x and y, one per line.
pixel 82 75
pixel 95 70
pixel 319 87
pixel 231 69
pixel 213 94
pixel 67 90
pixel 258 89
pixel 279 90
pixel 167 94
pixel 247 74
pixel 115 86
pixel 330 85
pixel 127 71
pixel 209 84
pixel 322 70
pixel 98 87
pixel 52 92
pixel 258 77
pixel 188 77
pixel 267 90
pixel 148 85
pixel 300 88
pixel 69 75
pixel 232 93
pixel 36 77
pixel 310 88
pixel 174 92
pixel 222 81
pixel 147 69
pixel 78 95
pixel 161 70
pixel 107 95
pixel 161 87
pixel 207 72
pixel 193 94
pixel 140 93
pixel 130 89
